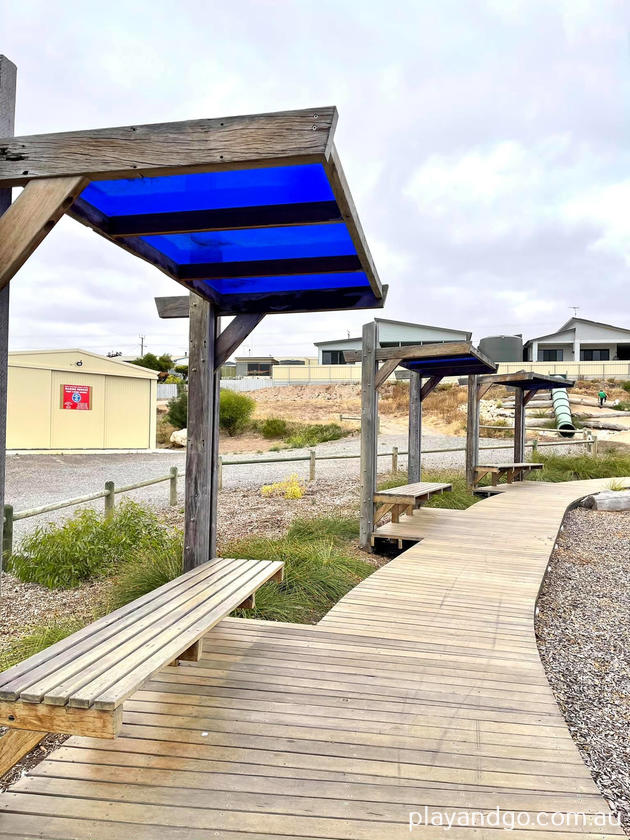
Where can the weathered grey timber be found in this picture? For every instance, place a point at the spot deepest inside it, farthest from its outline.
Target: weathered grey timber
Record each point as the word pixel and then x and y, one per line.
pixel 414 465
pixel 369 427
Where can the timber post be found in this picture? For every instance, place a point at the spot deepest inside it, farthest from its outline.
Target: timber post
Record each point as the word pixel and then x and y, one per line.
pixel 519 427
pixel 472 430
pixel 172 487
pixel 8 76
pixel 311 465
pixel 414 465
pixel 200 500
pixel 7 532
pixel 394 459
pixel 369 434
pixel 110 498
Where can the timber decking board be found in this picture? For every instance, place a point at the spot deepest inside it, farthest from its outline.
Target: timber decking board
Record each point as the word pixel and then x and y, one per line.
pixel 422 686
pixel 98 668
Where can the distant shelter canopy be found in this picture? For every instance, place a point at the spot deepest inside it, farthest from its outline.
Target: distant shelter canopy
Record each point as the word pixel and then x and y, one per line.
pixel 252 213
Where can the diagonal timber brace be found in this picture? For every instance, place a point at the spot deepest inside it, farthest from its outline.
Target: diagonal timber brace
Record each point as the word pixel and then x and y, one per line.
pixel 30 219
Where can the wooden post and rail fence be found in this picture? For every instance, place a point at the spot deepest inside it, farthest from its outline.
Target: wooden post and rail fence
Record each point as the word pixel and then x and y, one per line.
pixel 110 490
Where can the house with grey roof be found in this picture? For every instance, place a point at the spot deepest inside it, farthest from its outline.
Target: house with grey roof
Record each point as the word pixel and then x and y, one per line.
pixel 580 340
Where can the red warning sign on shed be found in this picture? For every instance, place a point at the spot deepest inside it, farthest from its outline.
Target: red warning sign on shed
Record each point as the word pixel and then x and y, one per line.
pixel 76 397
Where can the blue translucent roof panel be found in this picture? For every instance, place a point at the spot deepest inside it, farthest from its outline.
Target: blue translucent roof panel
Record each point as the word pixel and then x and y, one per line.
pixel 460 365
pixel 236 236
pixel 210 190
pixel 255 244
pixel 289 283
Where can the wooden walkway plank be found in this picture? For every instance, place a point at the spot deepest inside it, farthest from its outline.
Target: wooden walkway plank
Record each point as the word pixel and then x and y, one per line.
pixel 422 686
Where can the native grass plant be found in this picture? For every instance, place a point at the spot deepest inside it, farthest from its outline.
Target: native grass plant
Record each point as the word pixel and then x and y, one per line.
pixel 289 488
pixel 459 498
pixel 581 467
pixel 151 567
pixel 86 546
pixel 339 529
pixel 235 411
pixel 318 571
pixel 618 484
pixel 501 428
pixel 39 638
pixel 626 386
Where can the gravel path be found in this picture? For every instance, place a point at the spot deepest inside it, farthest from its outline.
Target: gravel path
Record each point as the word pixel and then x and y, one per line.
pixel 583 630
pixel 35 480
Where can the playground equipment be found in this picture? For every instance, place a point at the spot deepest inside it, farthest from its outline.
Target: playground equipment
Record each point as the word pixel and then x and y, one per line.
pixel 562 411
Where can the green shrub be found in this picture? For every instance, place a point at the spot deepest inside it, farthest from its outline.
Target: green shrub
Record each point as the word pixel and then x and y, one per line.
pixel 86 546
pixel 274 427
pixel 151 567
pixel 581 467
pixel 313 434
pixel 177 414
pixel 38 639
pixel 317 574
pixel 626 386
pixel 623 405
pixel 235 411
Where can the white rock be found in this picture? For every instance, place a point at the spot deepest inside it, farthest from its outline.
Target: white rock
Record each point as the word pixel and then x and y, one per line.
pixel 179 437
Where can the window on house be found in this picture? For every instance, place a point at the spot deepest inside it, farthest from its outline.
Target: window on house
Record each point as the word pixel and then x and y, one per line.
pixel 258 369
pixel 551 355
pixel 333 357
pixel 594 355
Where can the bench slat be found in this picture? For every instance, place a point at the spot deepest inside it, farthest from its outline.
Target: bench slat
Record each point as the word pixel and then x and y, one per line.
pixel 57 686
pixel 83 691
pixel 10 680
pixel 124 688
pixel 411 493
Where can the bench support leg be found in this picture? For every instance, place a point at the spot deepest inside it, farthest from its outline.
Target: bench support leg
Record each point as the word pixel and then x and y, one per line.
pixel 191 654
pixel 14 745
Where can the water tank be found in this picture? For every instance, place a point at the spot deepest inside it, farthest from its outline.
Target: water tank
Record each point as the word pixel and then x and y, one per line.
pixel 503 348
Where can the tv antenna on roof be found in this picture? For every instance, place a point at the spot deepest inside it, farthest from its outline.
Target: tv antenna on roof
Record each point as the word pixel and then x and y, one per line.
pixel 575 309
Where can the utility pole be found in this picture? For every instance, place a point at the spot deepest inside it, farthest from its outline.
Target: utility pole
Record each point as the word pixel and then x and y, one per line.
pixel 141 337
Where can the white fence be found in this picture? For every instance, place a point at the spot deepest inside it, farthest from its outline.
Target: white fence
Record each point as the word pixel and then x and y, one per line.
pixel 166 392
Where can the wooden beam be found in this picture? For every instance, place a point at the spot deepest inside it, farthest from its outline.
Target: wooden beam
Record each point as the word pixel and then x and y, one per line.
pixel 482 390
pixel 8 78
pixel 472 430
pixel 233 336
pixel 417 351
pixel 269 268
pixel 200 516
pixel 429 386
pixel 226 218
pixel 528 396
pixel 14 745
pixel 519 427
pixel 173 307
pixel 414 458
pixel 342 194
pixel 384 372
pixel 30 219
pixel 44 717
pixel 286 137
pixel 369 432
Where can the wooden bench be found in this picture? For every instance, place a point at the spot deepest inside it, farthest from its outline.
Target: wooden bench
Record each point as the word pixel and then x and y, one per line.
pixel 510 471
pixel 78 685
pixel 405 499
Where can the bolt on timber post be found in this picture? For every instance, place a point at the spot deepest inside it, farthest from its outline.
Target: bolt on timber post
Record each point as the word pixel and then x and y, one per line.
pixel 110 499
pixel 172 487
pixel 7 533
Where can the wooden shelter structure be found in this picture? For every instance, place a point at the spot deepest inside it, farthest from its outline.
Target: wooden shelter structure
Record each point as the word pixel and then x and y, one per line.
pixel 428 364
pixel 252 214
pixel 525 385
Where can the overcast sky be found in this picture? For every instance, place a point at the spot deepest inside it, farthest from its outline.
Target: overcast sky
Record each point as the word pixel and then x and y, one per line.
pixel 486 143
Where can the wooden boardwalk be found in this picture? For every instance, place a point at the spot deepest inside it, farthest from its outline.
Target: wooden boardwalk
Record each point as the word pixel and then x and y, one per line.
pixel 422 687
